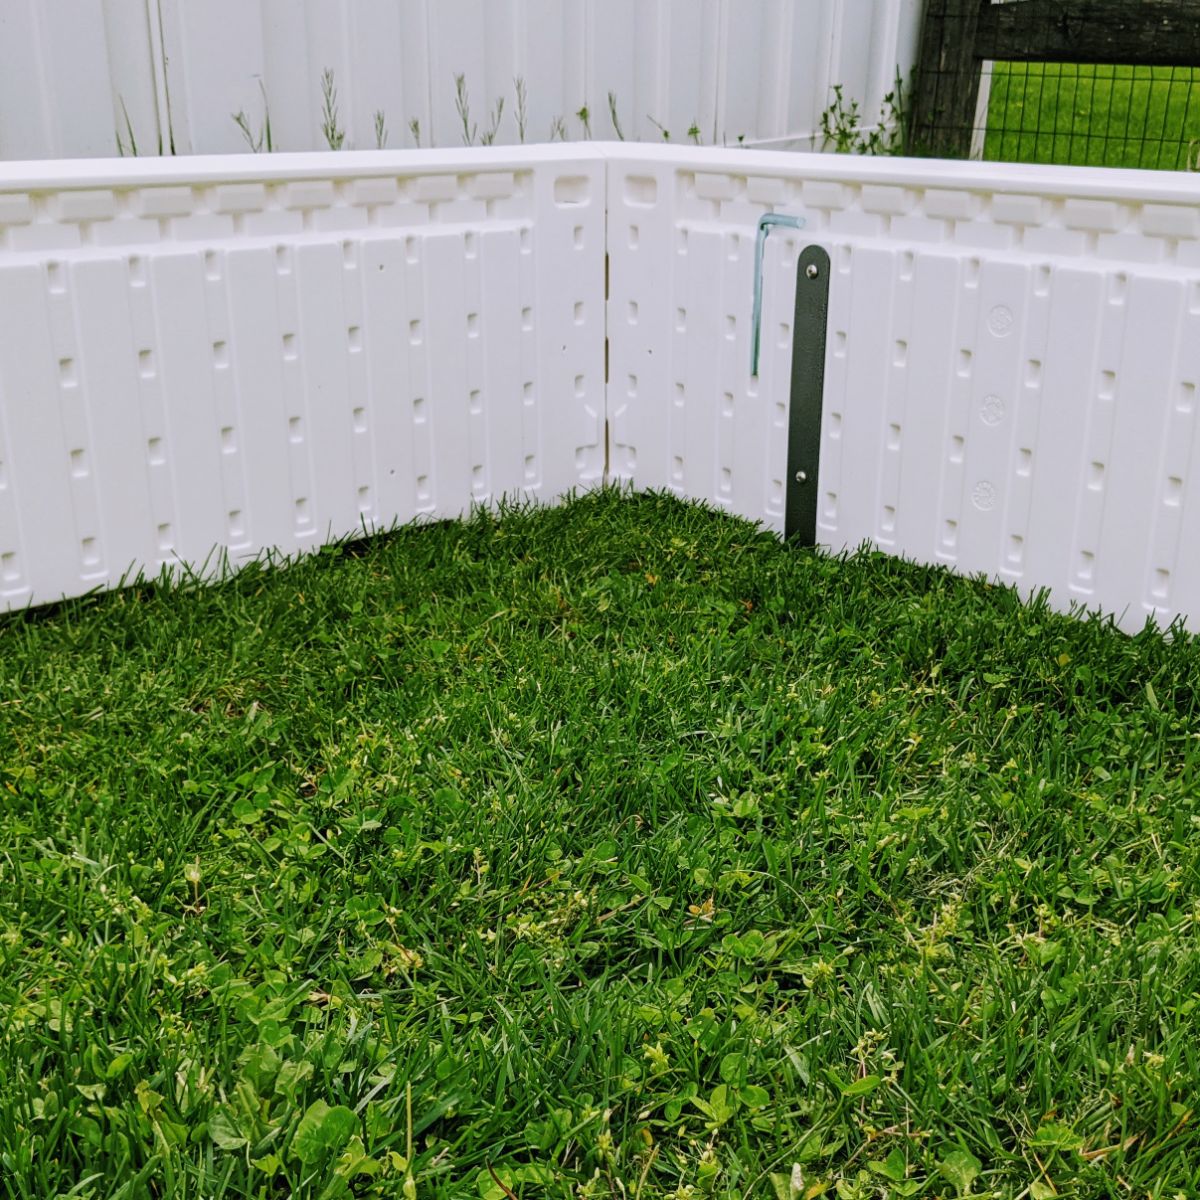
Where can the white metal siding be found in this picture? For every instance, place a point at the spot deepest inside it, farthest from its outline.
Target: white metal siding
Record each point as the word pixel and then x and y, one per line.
pixel 752 69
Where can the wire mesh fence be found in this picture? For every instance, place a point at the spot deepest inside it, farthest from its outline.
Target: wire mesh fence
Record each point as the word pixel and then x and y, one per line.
pixel 1091 114
pixel 1082 82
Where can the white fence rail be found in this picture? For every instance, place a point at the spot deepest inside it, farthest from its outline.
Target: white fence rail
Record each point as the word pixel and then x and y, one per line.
pixel 170 73
pixel 262 352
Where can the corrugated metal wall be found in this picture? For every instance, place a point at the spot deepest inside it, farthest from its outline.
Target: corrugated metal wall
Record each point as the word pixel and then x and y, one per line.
pixel 74 76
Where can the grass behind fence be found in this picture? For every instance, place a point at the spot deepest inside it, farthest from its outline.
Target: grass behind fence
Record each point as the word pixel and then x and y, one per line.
pixel 1089 115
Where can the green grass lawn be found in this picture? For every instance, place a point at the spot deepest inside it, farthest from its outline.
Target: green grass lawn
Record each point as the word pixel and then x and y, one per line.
pixel 1107 116
pixel 616 849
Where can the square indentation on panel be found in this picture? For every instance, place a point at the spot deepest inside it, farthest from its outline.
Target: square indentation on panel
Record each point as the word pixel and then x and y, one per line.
pixel 163 535
pixel 632 315
pixel 570 190
pixel 1108 385
pixel 730 326
pixel 212 266
pixel 470 244
pixel 290 350
pixel 1024 462
pixel 1033 373
pixel 785 334
pixel 893 436
pixel 56 278
pixel 420 410
pixel 579 387
pixel 221 355
pixel 530 468
pixel 283 260
pixel 680 320
pixel 301 506
pixel 641 190
pixel 154 452
pixel 91 551
pixel 364 499
pixel 360 420
pixel 839 344
pixel 1095 476
pixel 964 364
pixel 9 567
pixel 578 311
pixel 577 237
pixel 1016 549
pixel 633 236
pixel 137 271
pixel 68 373
pixel 229 442
pixel 949 533
pixel 526 240
pixel 677 468
pixel 146 364
pixel 414 332
pixel 957 448
pixel 1118 284
pixel 680 395
pixel 527 395
pixel 79 464
pixel 1173 492
pixel 527 319
pixel 354 338
pixel 899 354
pixel 412 250
pixel 1185 400
pixel 727 404
pixel 472 325
pixel 1162 581
pixel 887 521
pixel 631 385
pixel 835 425
pixel 295 430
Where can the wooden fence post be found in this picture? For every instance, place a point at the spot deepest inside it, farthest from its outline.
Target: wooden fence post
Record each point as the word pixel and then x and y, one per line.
pixel 948 75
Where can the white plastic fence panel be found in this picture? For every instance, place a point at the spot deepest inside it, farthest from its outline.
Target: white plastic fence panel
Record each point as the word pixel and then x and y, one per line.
pixel 211 356
pixel 1011 368
pixel 756 70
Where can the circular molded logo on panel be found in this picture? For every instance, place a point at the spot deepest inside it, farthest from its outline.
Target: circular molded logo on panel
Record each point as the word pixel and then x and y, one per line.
pixel 983 496
pixel 1000 320
pixel 991 411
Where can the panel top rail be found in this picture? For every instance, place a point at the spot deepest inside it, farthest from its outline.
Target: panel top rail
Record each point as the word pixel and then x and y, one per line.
pixel 1036 179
